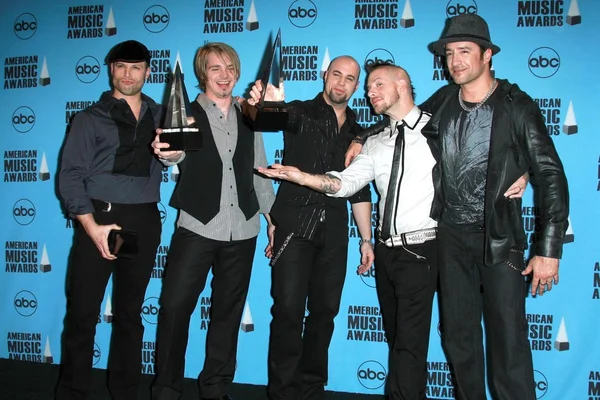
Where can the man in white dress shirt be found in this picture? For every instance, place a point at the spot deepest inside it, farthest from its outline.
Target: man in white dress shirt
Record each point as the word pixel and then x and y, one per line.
pixel 405 253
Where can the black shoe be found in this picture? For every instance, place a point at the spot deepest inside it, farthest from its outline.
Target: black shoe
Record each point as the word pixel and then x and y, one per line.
pixel 224 397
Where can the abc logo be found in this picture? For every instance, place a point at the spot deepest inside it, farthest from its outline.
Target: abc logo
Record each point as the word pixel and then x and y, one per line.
pixel 26 303
pixel 23 119
pixel 87 69
pixel 25 26
pixel 544 62
pixel 97 354
pixel 371 374
pixel 150 310
pixel 156 19
pixel 379 55
pixel 541 384
pixel 302 13
pixel 163 213
pixel 455 8
pixel 368 277
pixel 24 212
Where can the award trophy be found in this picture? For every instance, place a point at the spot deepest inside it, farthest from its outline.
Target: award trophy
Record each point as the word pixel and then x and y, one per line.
pixel 272 116
pixel 177 131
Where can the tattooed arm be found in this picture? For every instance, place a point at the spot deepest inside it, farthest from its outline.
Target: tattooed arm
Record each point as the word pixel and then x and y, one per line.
pixel 328 184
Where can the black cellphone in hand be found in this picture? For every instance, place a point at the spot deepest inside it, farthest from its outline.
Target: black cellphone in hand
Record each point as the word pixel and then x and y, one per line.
pixel 123 243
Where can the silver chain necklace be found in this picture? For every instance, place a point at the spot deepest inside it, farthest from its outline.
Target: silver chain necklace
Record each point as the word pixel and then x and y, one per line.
pixel 487 96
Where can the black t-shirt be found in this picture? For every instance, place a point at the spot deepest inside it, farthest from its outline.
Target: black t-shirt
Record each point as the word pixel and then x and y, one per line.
pixel 465 140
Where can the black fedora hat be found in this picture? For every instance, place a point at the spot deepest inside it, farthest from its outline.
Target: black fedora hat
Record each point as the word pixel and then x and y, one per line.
pixel 464 28
pixel 129 51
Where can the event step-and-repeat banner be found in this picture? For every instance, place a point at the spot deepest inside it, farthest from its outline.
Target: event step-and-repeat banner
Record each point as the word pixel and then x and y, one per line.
pixel 52 55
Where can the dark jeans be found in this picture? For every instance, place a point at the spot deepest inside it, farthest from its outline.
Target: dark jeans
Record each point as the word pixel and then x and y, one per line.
pixel 189 260
pixel 298 355
pixel 468 290
pixel 86 284
pixel 406 279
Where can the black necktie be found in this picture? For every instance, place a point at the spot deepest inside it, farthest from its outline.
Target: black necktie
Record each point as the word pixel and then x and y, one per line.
pixel 389 214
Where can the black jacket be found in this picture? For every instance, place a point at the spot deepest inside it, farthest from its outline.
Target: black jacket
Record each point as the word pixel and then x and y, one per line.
pixel 519 143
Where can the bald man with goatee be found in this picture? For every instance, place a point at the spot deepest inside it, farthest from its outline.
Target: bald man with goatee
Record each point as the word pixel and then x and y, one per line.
pixel 398 159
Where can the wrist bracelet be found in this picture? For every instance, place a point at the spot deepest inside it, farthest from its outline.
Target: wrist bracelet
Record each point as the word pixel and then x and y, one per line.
pixel 358 140
pixel 362 241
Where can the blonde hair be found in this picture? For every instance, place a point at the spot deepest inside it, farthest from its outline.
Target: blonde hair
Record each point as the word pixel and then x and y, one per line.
pixel 222 50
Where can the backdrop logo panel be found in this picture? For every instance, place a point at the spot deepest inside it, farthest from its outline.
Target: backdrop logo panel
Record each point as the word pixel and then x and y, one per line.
pixel 23 119
pixel 454 8
pixel 160 262
pixel 544 62
pixel 21 257
pixel 371 374
pixel 22 166
pixel 365 324
pixel 87 69
pixel 24 346
pixel 541 384
pixel 300 63
pixel 156 19
pixel 97 354
pixel 87 22
pixel 440 70
pixel 365 116
pixel 540 331
pixel 439 381
pixel 150 310
pixel 302 13
pixel 25 26
pixel 550 108
pixel 25 302
pixel 148 357
pixel 381 15
pixel 228 17
pixel 544 14
pixel 594 385
pixel 160 66
pixel 72 107
pixel 379 55
pixel 205 303
pixel 162 211
pixel 22 72
pixel 24 212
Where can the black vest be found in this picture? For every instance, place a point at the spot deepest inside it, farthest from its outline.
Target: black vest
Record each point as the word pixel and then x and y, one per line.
pixel 198 190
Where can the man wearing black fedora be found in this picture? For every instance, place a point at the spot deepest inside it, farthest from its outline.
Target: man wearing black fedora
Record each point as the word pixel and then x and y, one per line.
pixel 484 134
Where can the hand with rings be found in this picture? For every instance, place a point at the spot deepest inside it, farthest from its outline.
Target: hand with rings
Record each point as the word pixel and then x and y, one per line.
pixel 516 190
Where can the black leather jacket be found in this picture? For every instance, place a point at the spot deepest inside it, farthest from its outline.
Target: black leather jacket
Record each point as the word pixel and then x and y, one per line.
pixel 519 143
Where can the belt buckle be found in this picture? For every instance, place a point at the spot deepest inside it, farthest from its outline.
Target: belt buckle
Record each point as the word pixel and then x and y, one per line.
pixel 106 207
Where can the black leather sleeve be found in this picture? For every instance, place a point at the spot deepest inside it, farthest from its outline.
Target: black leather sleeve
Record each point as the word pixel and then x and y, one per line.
pixel 550 183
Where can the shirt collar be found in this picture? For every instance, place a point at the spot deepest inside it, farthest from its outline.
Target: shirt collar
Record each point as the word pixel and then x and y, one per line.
pixel 206 102
pixel 322 104
pixel 410 120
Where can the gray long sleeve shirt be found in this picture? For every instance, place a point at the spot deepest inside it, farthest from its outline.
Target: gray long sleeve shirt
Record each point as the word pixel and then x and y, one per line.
pixel 107 157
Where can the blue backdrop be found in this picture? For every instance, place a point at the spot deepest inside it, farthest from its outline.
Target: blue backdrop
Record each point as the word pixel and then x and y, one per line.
pixel 53 56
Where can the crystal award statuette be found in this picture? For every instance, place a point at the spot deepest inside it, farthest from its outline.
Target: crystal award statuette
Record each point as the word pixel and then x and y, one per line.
pixel 272 116
pixel 176 130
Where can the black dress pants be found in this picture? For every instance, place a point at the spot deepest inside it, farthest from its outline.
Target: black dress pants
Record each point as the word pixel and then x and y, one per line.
pixel 189 260
pixel 309 275
pixel 86 283
pixel 468 290
pixel 406 279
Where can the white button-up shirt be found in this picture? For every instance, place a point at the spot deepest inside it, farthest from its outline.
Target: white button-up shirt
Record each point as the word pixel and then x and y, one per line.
pixel 375 163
